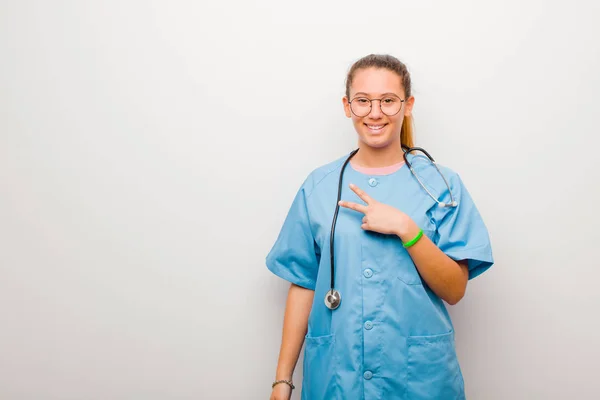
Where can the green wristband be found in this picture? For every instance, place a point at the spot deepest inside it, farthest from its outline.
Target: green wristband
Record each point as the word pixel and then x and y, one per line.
pixel 415 240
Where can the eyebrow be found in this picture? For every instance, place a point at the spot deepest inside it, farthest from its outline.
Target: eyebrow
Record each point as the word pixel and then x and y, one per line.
pixel 383 95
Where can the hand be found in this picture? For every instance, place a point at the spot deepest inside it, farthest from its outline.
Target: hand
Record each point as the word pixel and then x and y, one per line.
pixel 379 217
pixel 281 391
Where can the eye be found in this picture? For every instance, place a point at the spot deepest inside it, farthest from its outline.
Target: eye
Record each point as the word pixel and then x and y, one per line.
pixel 361 100
pixel 389 100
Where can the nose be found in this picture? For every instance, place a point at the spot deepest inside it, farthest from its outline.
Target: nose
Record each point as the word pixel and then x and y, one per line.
pixel 376 112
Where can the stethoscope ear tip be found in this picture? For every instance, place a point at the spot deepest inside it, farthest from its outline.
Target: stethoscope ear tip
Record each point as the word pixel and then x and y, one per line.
pixel 452 204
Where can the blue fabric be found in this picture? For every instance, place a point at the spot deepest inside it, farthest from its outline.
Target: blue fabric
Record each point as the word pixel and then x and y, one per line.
pixel 391 337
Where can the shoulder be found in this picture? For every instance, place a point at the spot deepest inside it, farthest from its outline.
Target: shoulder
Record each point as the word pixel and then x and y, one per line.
pixel 429 174
pixel 322 174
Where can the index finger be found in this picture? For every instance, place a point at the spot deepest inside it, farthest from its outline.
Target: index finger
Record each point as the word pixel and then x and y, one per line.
pixel 365 197
pixel 353 206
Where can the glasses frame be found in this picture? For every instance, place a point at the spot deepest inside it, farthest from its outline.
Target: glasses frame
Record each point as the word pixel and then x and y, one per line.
pixel 371 105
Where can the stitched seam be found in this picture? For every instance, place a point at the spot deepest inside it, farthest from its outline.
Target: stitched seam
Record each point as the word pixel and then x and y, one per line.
pixel 334 168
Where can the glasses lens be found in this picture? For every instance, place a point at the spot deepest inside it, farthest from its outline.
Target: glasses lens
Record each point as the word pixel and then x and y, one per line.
pixel 361 106
pixel 390 105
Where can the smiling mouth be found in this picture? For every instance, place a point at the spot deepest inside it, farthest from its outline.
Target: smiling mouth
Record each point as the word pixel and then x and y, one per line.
pixel 375 128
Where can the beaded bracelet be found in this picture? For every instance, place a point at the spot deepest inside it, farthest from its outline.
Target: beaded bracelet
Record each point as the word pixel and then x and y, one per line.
pixel 284 381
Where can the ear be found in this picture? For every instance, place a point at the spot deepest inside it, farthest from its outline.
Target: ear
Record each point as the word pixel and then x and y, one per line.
pixel 410 102
pixel 346 107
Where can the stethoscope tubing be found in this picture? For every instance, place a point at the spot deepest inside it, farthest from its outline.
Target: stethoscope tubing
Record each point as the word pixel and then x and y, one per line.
pixel 334 294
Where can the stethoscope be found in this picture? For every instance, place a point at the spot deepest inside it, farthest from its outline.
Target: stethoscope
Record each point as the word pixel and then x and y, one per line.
pixel 333 298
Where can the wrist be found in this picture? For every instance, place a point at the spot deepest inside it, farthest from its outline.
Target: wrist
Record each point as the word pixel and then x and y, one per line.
pixel 286 382
pixel 284 372
pixel 407 230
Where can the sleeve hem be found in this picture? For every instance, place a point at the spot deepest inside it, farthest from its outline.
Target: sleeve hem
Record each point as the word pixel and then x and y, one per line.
pixel 286 275
pixel 478 258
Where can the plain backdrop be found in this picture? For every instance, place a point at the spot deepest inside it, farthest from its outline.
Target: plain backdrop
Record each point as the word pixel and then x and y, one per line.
pixel 150 150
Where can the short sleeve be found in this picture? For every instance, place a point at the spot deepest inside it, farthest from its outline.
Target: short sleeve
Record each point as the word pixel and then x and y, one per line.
pixel 462 234
pixel 294 256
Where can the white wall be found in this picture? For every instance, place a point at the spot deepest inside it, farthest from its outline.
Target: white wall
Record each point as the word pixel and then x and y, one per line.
pixel 149 152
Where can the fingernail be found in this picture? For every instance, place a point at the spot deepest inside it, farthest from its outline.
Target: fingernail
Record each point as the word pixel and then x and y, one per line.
pixel 352 185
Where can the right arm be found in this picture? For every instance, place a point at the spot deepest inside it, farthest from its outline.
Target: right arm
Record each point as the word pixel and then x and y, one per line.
pixel 295 325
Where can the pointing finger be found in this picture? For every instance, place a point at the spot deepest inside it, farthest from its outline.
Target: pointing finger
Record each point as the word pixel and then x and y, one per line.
pixel 353 206
pixel 365 197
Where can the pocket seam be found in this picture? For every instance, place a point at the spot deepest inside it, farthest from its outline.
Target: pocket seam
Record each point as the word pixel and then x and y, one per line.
pixel 408 283
pixel 320 340
pixel 427 339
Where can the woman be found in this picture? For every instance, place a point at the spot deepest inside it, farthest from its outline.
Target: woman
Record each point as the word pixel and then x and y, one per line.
pixel 401 246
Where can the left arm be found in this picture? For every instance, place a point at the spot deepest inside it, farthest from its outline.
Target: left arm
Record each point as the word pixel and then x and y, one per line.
pixel 446 277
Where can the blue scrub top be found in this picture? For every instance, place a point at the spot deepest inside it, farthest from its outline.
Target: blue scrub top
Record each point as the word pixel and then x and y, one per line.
pixel 391 337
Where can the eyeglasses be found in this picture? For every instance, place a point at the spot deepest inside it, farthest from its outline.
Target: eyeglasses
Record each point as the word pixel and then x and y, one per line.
pixel 389 105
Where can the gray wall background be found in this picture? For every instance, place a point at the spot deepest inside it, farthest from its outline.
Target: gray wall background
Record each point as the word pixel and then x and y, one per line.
pixel 150 150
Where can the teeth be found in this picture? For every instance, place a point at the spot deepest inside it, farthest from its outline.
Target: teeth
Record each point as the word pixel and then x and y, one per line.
pixel 375 126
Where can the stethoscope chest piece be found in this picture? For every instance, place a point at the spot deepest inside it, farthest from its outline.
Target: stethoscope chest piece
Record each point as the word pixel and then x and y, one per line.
pixel 333 298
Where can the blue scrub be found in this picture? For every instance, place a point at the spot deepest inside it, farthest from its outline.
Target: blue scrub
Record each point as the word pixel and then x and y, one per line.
pixel 391 337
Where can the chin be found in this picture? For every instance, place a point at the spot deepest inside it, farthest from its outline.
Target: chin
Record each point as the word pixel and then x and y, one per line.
pixel 376 142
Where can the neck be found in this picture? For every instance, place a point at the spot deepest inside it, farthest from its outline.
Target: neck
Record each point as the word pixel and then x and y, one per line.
pixel 373 157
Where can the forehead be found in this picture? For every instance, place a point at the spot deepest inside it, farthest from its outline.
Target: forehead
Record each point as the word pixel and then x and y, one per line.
pixel 375 81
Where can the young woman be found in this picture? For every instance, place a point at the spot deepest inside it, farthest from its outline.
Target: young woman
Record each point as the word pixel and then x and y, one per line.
pixel 406 237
